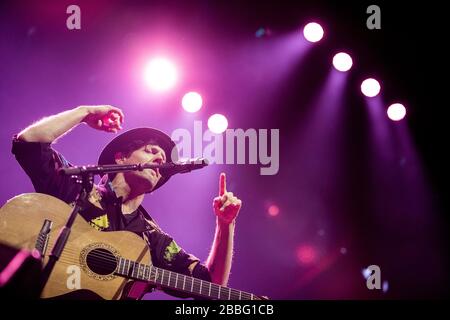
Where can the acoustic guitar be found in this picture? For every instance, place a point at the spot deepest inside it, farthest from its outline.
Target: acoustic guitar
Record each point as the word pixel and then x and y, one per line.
pixel 100 262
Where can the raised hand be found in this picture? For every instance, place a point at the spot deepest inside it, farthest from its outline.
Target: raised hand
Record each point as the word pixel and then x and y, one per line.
pixel 104 117
pixel 226 205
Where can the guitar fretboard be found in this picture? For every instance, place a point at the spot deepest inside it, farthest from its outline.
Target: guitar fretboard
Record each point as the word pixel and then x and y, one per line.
pixel 181 282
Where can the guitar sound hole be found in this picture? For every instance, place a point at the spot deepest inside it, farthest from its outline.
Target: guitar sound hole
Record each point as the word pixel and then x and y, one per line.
pixel 101 261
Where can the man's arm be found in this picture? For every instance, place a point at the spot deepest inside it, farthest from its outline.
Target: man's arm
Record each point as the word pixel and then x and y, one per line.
pixel 220 257
pixel 106 118
pixel 32 149
pixel 226 208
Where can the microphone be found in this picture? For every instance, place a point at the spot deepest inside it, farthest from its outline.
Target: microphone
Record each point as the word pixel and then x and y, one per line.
pixel 169 169
pixel 166 169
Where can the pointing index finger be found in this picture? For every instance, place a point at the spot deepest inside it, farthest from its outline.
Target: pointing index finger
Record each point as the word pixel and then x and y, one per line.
pixel 222 184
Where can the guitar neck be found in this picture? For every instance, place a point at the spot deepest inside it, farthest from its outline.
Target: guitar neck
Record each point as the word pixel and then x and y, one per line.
pixel 172 280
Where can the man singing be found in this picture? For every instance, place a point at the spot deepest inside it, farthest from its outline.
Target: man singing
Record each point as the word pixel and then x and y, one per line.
pixel 115 203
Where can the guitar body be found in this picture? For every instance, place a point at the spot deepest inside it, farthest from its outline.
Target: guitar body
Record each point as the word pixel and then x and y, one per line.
pixel 21 219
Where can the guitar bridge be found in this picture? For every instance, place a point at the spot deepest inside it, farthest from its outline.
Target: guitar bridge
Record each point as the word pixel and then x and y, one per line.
pixel 43 237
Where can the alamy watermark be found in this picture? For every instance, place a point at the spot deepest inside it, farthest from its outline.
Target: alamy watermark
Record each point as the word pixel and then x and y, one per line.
pixel 230 147
pixel 73 21
pixel 73 281
pixel 372 274
pixel 374 20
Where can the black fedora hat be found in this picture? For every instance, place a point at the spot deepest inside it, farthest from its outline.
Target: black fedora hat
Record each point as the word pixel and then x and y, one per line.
pixel 123 141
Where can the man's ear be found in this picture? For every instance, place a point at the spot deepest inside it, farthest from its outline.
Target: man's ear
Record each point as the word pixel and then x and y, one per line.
pixel 119 157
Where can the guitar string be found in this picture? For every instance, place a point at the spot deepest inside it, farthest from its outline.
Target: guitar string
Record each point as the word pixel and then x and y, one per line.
pixel 95 253
pixel 76 251
pixel 113 262
pixel 214 293
pixel 215 288
pixel 106 257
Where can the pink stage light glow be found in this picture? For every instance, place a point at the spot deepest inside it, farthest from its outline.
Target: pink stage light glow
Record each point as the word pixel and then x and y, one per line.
pixel 273 210
pixel 192 102
pixel 306 254
pixel 160 74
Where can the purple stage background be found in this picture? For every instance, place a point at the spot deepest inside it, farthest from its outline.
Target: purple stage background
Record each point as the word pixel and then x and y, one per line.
pixel 353 189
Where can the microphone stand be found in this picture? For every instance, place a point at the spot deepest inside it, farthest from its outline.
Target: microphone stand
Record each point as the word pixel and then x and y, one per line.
pixel 84 176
